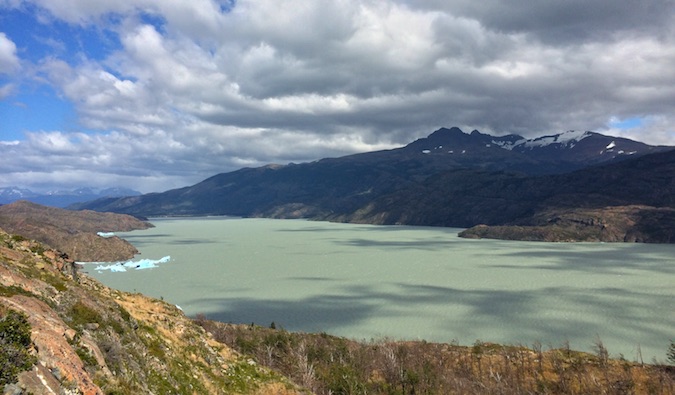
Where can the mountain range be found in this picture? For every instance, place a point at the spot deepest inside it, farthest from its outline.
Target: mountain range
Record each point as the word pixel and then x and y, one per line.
pixel 61 198
pixel 450 178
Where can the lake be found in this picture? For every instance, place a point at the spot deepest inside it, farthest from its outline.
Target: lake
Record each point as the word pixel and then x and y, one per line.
pixel 369 282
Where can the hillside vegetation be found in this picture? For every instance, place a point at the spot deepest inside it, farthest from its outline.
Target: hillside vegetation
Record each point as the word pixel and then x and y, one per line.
pixel 65 333
pixel 333 365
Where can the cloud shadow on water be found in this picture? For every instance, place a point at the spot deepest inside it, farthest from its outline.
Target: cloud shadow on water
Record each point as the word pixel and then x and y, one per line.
pixel 606 261
pixel 514 317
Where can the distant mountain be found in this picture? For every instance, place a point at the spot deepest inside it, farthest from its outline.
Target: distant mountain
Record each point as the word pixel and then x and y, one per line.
pixel 61 198
pixel 449 178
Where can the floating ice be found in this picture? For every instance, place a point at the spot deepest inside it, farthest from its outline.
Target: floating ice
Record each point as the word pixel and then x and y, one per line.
pixel 106 234
pixel 137 265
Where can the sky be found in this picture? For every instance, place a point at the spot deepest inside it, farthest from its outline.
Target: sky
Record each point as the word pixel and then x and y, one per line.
pixel 160 94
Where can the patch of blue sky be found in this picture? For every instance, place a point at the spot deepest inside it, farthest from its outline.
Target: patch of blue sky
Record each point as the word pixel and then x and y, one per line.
pixel 39 110
pixel 155 20
pixel 227 5
pixel 628 123
pixel 37 38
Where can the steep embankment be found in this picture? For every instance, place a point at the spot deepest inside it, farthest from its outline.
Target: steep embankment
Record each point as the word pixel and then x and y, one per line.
pixel 73 232
pixel 86 338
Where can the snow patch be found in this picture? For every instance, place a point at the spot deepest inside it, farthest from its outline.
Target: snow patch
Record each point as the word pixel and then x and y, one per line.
pixel 567 138
pixel 611 145
pixel 507 145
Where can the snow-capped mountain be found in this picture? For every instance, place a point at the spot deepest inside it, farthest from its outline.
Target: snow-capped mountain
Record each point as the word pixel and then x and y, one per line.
pixel 556 153
pixel 587 147
pixel 10 194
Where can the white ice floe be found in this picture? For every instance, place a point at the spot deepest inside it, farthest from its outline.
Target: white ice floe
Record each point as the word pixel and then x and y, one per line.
pixel 140 264
pixel 106 234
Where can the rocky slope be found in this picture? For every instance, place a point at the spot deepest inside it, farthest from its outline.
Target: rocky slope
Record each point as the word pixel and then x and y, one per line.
pixel 642 224
pixel 73 232
pixel 88 339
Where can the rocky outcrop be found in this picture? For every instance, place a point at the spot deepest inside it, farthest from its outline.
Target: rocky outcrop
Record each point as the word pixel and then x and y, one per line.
pixel 74 232
pixel 52 339
pixel 610 224
pixel 90 339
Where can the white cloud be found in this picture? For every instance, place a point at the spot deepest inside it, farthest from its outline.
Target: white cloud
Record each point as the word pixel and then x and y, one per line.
pixel 9 61
pixel 9 64
pixel 196 88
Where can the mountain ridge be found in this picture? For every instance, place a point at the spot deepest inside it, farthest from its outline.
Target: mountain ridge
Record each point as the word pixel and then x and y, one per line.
pixel 61 198
pixel 449 178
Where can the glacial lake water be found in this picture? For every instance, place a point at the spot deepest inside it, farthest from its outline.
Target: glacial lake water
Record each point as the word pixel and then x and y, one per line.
pixel 369 282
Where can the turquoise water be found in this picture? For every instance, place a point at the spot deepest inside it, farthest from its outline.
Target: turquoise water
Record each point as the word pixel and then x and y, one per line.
pixel 365 282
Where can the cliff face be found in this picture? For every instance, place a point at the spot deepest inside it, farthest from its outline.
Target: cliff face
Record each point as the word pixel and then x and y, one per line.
pixel 88 339
pixel 73 232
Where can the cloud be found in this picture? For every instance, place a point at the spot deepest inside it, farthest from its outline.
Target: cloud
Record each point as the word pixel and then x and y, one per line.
pixel 199 87
pixel 9 64
pixel 561 23
pixel 9 61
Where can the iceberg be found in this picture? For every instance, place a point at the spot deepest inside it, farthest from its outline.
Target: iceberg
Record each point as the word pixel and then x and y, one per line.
pixel 140 264
pixel 106 234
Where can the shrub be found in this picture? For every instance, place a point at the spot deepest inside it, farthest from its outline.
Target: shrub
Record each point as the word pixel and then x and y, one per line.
pixel 81 314
pixel 671 352
pixel 14 345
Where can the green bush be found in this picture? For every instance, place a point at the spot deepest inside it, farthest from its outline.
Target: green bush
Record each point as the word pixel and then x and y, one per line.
pixel 81 314
pixel 14 345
